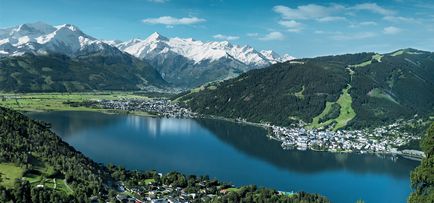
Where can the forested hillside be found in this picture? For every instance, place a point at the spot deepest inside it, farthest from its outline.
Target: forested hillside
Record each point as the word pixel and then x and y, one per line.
pixel 422 178
pixel 60 73
pixel 345 91
pixel 35 153
pixel 36 166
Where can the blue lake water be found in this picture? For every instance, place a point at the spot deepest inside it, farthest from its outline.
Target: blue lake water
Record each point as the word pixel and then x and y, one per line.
pixel 231 152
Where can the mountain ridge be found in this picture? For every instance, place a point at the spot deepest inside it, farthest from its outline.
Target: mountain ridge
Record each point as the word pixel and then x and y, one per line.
pixel 182 62
pixel 345 91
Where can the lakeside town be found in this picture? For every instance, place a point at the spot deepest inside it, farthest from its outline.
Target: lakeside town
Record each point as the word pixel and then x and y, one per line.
pixel 381 140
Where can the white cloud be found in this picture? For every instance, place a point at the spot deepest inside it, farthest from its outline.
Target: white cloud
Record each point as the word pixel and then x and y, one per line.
pixel 353 36
pixel 391 30
pixel 272 36
pixel 290 23
pixel 226 37
pixel 171 21
pixel 331 18
pixel 399 19
pixel 329 13
pixel 368 23
pixel 158 1
pixel 309 11
pixel 374 8
pixel 252 34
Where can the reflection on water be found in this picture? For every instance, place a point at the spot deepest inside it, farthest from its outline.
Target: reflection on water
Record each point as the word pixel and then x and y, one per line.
pixel 230 152
pixel 252 141
pixel 160 127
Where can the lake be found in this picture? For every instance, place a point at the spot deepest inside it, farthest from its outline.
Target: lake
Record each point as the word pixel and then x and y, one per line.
pixel 231 152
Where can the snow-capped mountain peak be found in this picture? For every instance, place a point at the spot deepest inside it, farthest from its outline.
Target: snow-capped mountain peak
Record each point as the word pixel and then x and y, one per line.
pixel 195 50
pixel 156 37
pixel 181 61
pixel 274 57
pixel 43 38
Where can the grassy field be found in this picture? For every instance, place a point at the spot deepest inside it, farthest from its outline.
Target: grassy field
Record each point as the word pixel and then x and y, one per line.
pixel 233 189
pixel 9 173
pixel 38 174
pixel 55 101
pixel 149 181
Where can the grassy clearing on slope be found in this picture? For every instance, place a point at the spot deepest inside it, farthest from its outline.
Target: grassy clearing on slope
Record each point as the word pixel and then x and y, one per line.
pixel 347 112
pixel 325 112
pixel 381 94
pixel 397 53
pixel 299 94
pixel 376 57
pixel 9 173
pixel 55 101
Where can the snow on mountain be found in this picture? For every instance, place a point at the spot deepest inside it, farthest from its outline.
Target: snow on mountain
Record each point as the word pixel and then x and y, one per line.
pixel 274 57
pixel 196 50
pixel 43 38
pixel 181 61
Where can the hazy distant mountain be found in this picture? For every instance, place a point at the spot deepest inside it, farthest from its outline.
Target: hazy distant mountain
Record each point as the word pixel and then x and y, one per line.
pixel 189 62
pixel 352 90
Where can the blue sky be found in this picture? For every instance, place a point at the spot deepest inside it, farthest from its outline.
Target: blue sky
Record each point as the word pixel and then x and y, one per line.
pixel 299 28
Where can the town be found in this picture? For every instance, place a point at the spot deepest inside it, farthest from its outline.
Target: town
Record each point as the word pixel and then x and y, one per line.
pixel 381 140
pixel 159 107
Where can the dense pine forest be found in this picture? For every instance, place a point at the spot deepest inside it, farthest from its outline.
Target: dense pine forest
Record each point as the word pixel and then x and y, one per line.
pixel 37 166
pixel 353 90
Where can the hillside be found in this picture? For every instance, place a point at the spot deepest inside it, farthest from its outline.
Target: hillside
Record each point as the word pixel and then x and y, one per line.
pixel 345 91
pixel 36 166
pixel 61 73
pixel 422 178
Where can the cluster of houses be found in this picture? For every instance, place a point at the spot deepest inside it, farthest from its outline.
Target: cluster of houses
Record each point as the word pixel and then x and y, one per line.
pixel 161 107
pixel 155 193
pixel 385 140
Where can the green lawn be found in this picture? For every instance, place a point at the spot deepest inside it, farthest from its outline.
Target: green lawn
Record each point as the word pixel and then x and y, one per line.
pixel 40 171
pixel 9 173
pixel 233 189
pixel 148 181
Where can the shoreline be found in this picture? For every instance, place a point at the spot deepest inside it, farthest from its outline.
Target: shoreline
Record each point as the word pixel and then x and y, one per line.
pixel 414 157
pixel 400 153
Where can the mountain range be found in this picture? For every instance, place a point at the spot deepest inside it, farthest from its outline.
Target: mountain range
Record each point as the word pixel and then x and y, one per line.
pixel 181 62
pixel 344 91
pixel 199 62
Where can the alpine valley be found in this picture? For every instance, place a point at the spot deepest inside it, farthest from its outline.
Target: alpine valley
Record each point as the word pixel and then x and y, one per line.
pixel 90 120
pixel 133 64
